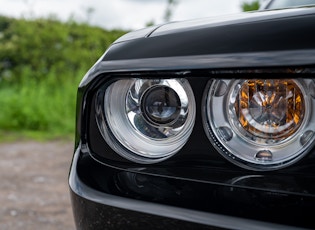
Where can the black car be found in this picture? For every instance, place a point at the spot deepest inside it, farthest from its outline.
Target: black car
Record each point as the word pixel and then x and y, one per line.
pixel 204 124
pixel 282 4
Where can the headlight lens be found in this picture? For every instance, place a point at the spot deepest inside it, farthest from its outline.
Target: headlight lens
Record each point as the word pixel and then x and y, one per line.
pixel 260 124
pixel 146 120
pixel 269 110
pixel 161 105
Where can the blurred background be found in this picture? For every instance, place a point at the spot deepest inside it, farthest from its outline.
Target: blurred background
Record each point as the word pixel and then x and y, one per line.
pixel 46 47
pixel 120 14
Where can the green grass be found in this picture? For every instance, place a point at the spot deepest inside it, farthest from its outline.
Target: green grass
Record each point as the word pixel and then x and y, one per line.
pixel 42 62
pixel 39 110
pixel 40 136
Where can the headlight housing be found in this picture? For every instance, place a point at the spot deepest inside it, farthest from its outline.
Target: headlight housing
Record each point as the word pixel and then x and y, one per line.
pixel 257 124
pixel 260 124
pixel 146 120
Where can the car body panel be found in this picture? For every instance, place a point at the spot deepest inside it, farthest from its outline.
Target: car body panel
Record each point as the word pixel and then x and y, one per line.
pixel 92 208
pixel 243 36
pixel 196 188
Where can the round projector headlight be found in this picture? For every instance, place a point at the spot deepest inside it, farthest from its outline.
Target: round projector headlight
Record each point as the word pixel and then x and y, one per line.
pixel 146 120
pixel 260 124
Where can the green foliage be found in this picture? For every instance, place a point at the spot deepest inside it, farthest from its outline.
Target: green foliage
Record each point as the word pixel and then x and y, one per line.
pixel 169 9
pixel 45 44
pixel 39 105
pixel 41 64
pixel 250 6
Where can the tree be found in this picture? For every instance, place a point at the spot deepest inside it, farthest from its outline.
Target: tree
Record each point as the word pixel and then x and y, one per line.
pixel 250 6
pixel 169 10
pixel 167 14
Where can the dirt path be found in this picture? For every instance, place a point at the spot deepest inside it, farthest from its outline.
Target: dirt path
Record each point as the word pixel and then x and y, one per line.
pixel 34 190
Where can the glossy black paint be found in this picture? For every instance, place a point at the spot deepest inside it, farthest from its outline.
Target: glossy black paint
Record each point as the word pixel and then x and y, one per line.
pixel 90 215
pixel 197 188
pixel 274 4
pixel 257 34
pixel 119 203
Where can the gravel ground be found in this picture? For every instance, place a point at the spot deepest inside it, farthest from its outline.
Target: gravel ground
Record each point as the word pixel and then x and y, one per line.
pixel 34 190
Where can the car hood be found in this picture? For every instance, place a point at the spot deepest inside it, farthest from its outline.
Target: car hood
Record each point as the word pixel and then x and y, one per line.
pixel 224 20
pixel 265 31
pixel 227 20
pixel 260 39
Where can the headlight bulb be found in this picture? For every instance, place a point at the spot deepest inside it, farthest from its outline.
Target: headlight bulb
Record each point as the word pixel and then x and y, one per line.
pixel 271 110
pixel 260 124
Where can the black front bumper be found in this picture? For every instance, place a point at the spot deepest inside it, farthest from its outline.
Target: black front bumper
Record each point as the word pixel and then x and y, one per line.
pixel 100 204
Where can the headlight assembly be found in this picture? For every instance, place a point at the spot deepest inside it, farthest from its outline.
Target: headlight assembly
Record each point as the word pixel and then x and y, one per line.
pixel 257 124
pixel 146 120
pixel 260 124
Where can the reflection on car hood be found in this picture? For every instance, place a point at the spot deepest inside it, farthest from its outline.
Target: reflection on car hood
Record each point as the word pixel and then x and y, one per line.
pixel 189 25
pixel 262 31
pixel 253 16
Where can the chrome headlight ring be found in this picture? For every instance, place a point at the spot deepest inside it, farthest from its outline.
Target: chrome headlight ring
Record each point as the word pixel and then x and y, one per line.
pixel 146 120
pixel 260 124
